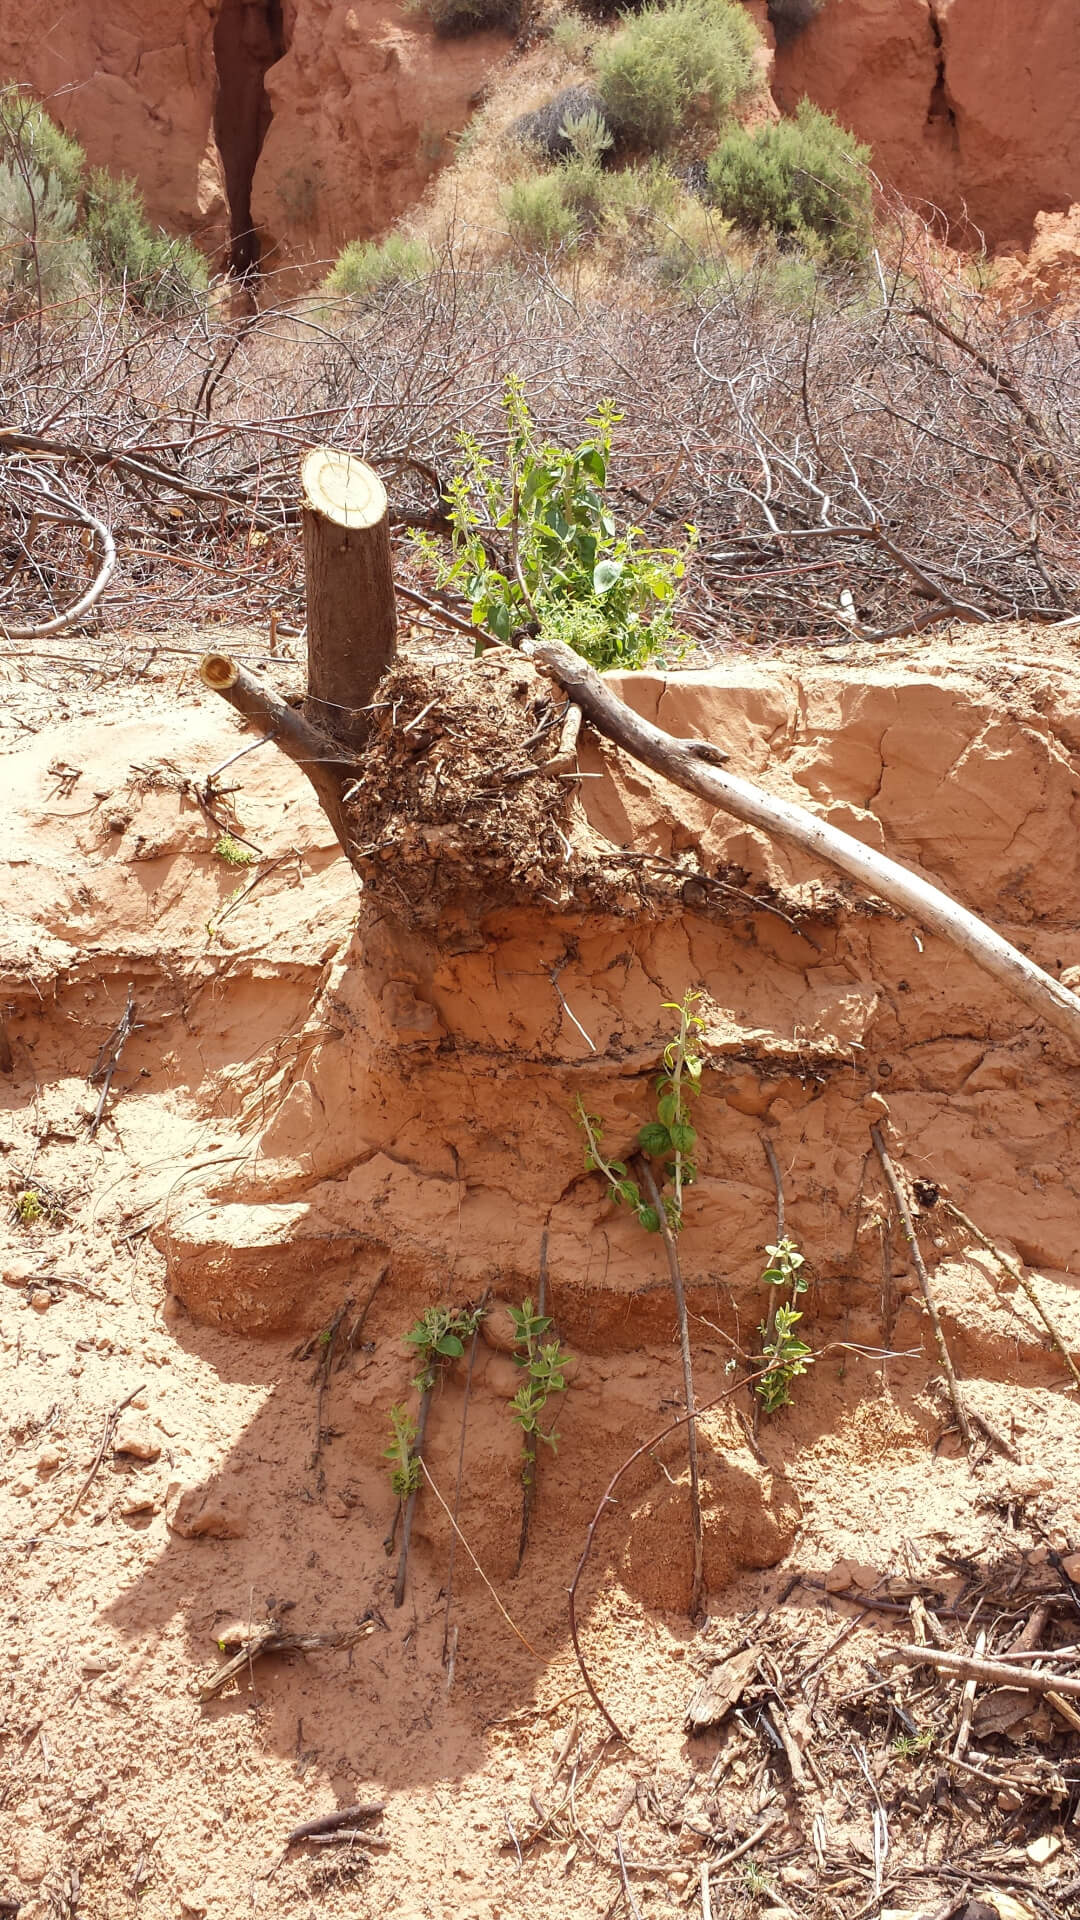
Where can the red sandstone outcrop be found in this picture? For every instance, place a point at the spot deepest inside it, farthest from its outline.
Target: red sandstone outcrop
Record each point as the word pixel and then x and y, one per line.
pixel 135 82
pixel 322 120
pixel 1049 273
pixel 365 104
pixel 971 104
pixel 321 123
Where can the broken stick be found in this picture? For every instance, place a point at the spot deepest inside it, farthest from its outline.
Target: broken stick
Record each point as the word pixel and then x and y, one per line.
pixel 908 1225
pixel 989 1673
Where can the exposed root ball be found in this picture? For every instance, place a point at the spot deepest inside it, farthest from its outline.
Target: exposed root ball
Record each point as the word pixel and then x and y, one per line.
pixel 455 813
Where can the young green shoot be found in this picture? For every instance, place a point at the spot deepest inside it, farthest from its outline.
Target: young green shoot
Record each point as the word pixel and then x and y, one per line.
pixel 404 1466
pixel 784 1353
pixel 544 1362
pixel 671 1141
pixel 233 851
pixel 437 1338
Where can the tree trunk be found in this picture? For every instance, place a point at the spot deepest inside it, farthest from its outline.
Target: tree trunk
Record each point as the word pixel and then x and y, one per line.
pixel 351 614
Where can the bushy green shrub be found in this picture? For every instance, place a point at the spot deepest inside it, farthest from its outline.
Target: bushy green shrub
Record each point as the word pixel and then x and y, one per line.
pixel 584 580
pixel 805 178
pixel 41 254
pixel 25 125
pixel 60 229
pixel 369 266
pixel 670 63
pixel 573 35
pixel 160 273
pixel 538 214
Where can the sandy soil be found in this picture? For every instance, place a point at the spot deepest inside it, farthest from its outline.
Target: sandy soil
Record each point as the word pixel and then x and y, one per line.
pixel 312 1099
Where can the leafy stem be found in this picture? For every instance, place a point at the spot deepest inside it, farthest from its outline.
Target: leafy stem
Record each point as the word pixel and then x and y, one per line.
pixel 786 1355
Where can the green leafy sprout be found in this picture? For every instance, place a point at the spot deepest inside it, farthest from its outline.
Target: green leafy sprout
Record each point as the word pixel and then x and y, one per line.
pixel 440 1334
pixel 404 1465
pixel 911 1746
pixel 670 1138
pixel 438 1337
pixel 544 1363
pixel 785 1355
pixel 29 1207
pixel 233 851
pixel 537 545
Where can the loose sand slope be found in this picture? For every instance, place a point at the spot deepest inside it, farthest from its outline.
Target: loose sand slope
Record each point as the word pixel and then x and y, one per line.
pixel 315 1097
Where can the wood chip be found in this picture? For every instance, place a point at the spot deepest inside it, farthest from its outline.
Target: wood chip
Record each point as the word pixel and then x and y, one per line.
pixel 713 1700
pixel 1002 1709
pixel 1044 1848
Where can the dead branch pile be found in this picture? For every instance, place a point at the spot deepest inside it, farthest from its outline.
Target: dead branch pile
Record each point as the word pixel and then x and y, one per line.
pixel 870 468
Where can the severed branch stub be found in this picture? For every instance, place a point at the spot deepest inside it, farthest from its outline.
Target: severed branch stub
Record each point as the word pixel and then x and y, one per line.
pixel 349 576
pixel 327 767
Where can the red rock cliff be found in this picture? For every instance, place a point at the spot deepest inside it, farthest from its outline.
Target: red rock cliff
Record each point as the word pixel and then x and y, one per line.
pixel 971 104
pixel 314 122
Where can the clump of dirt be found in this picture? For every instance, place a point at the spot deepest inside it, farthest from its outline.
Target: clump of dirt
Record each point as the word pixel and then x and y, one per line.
pixel 467 804
pixel 458 807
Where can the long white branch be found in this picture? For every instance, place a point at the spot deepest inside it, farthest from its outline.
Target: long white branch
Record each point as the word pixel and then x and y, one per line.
pixel 686 764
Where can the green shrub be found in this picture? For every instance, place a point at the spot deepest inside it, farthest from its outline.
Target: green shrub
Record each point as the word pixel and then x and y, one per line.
pixel 160 273
pixel 538 215
pixel 369 266
pixel 25 125
pixel 573 35
pixel 583 580
pixel 42 254
pixel 803 178
pixel 670 63
pixel 59 229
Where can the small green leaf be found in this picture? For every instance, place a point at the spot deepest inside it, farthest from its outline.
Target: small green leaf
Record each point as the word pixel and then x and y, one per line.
pixel 450 1346
pixel 649 1219
pixel 655 1139
pixel 606 574
pixel 683 1139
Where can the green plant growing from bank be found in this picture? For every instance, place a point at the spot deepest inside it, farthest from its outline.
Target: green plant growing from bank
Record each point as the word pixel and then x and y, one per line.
pixel 671 1141
pixel 669 64
pixel 437 1338
pixel 537 544
pixel 233 851
pixel 544 1364
pixel 670 1138
pixel 783 1352
pixel 804 179
pixel 439 1334
pixel 404 1466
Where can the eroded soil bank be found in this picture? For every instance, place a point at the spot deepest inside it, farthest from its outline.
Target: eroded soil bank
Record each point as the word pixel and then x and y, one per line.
pixel 317 1094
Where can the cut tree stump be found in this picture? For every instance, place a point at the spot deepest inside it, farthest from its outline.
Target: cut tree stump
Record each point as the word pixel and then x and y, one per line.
pixel 351 612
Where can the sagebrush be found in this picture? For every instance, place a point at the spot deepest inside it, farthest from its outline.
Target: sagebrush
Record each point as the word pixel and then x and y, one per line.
pixel 805 179
pixel 668 64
